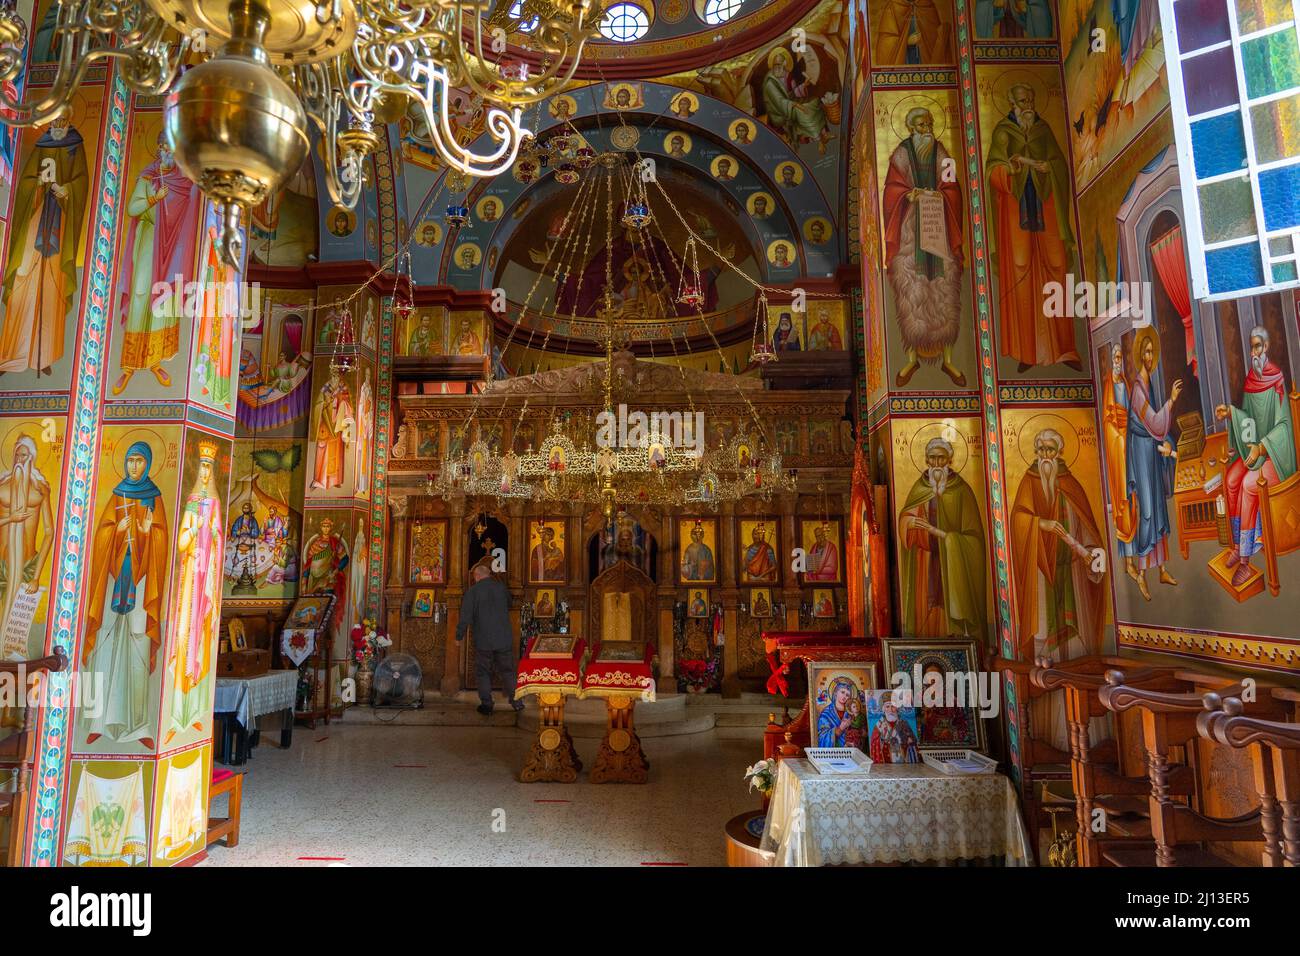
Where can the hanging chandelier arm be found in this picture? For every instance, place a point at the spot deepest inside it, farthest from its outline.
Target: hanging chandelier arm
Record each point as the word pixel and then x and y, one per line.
pixel 91 32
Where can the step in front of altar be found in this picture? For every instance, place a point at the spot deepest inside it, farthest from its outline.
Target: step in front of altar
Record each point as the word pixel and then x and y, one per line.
pixel 668 716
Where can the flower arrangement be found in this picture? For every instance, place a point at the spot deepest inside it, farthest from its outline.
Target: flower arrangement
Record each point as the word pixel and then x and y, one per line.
pixel 762 776
pixel 698 675
pixel 367 642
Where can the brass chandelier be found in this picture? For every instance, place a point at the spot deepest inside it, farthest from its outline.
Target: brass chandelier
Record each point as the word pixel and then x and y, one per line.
pixel 237 122
pixel 650 468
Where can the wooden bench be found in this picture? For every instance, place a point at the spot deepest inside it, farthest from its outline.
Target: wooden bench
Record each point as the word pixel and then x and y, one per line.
pixel 19 751
pixel 1100 775
pixel 1179 830
pixel 231 783
pixel 1275 754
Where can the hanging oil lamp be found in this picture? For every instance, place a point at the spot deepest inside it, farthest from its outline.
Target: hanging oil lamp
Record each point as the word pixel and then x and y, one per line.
pixel 457 214
pixel 690 293
pixel 761 350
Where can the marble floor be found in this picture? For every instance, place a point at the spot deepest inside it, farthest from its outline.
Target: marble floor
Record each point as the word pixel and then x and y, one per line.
pixel 365 795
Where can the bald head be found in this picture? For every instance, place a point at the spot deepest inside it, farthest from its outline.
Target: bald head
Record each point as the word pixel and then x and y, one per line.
pixel 481 571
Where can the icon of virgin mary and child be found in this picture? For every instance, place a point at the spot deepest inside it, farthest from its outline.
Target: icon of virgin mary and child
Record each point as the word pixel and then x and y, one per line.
pixel 843 722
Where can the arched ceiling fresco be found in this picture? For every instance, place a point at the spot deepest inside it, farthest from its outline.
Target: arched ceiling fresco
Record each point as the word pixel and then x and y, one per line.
pixel 679 38
pixel 751 166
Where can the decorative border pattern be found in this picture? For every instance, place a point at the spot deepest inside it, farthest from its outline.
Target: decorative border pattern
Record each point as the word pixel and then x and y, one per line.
pixel 379 474
pixel 1072 393
pixel 1270 653
pixel 996 50
pixel 882 79
pixel 988 377
pixel 910 404
pixel 84 429
pixel 18 404
pixel 146 411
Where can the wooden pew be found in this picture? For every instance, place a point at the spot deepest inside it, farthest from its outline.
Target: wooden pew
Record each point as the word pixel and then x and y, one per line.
pixel 1098 774
pixel 1275 753
pixel 20 750
pixel 1169 721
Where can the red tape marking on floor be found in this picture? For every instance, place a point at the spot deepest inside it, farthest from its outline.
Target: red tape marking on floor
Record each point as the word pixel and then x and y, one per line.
pixel 319 739
pixel 321 859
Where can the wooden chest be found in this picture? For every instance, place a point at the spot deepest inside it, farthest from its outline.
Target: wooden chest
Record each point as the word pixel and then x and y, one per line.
pixel 249 663
pixel 1191 436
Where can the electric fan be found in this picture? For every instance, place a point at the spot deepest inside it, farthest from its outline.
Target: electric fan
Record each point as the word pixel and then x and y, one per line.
pixel 397 683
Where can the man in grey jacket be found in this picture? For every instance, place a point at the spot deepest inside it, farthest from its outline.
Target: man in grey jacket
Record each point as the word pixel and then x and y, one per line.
pixel 485 610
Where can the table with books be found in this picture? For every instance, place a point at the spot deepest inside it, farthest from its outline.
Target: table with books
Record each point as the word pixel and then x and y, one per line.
pixel 891 813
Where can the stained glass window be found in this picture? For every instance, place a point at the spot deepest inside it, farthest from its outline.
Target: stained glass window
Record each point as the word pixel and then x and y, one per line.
pixel 1234 78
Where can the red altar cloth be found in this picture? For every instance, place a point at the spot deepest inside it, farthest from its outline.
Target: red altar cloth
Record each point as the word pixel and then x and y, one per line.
pixel 555 674
pixel 618 678
pixel 785 647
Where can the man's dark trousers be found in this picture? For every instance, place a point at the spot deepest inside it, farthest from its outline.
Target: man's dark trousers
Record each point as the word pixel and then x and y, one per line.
pixel 485 662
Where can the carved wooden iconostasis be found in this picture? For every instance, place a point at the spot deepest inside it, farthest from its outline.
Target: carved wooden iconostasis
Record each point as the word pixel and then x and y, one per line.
pixel 690 570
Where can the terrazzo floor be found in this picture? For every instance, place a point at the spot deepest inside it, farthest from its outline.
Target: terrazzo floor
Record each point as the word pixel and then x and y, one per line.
pixel 363 795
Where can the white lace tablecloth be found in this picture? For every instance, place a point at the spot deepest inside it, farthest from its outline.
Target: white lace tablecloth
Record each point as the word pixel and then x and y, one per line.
pixel 895 813
pixel 250 697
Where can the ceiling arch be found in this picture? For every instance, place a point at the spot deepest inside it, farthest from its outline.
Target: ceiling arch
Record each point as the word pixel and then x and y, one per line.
pixel 679 39
pixel 711 131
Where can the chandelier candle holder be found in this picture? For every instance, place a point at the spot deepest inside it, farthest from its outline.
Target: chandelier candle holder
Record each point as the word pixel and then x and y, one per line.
pixel 690 292
pixel 238 123
pixel 761 351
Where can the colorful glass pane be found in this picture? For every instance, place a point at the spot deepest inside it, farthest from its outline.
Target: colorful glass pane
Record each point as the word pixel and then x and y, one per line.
pixel 1284 271
pixel 1276 126
pixel 1210 81
pixel 1237 267
pixel 1201 23
pixel 1271 63
pixel 1227 210
pixel 1255 15
pixel 1218 145
pixel 1281 246
pixel 1279 194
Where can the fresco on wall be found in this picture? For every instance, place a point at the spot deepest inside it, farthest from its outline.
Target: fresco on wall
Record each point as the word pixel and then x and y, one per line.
pixel 180 818
pixel 942 551
pixel 923 214
pixel 131 552
pixel 332 457
pixel 282 231
pixel 1195 537
pixel 275 366
pixel 1115 69
pixel 1013 19
pixel 264 524
pixel 1030 232
pixel 108 818
pixel 214 366
pixel 799 94
pixel 46 247
pixel 196 595
pixel 327 558
pixel 160 234
pixel 31 458
pixel 1059 567
pixel 424 333
pixel 912 33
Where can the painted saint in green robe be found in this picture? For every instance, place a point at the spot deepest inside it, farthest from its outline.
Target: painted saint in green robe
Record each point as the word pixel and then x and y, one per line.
pixel 943 560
